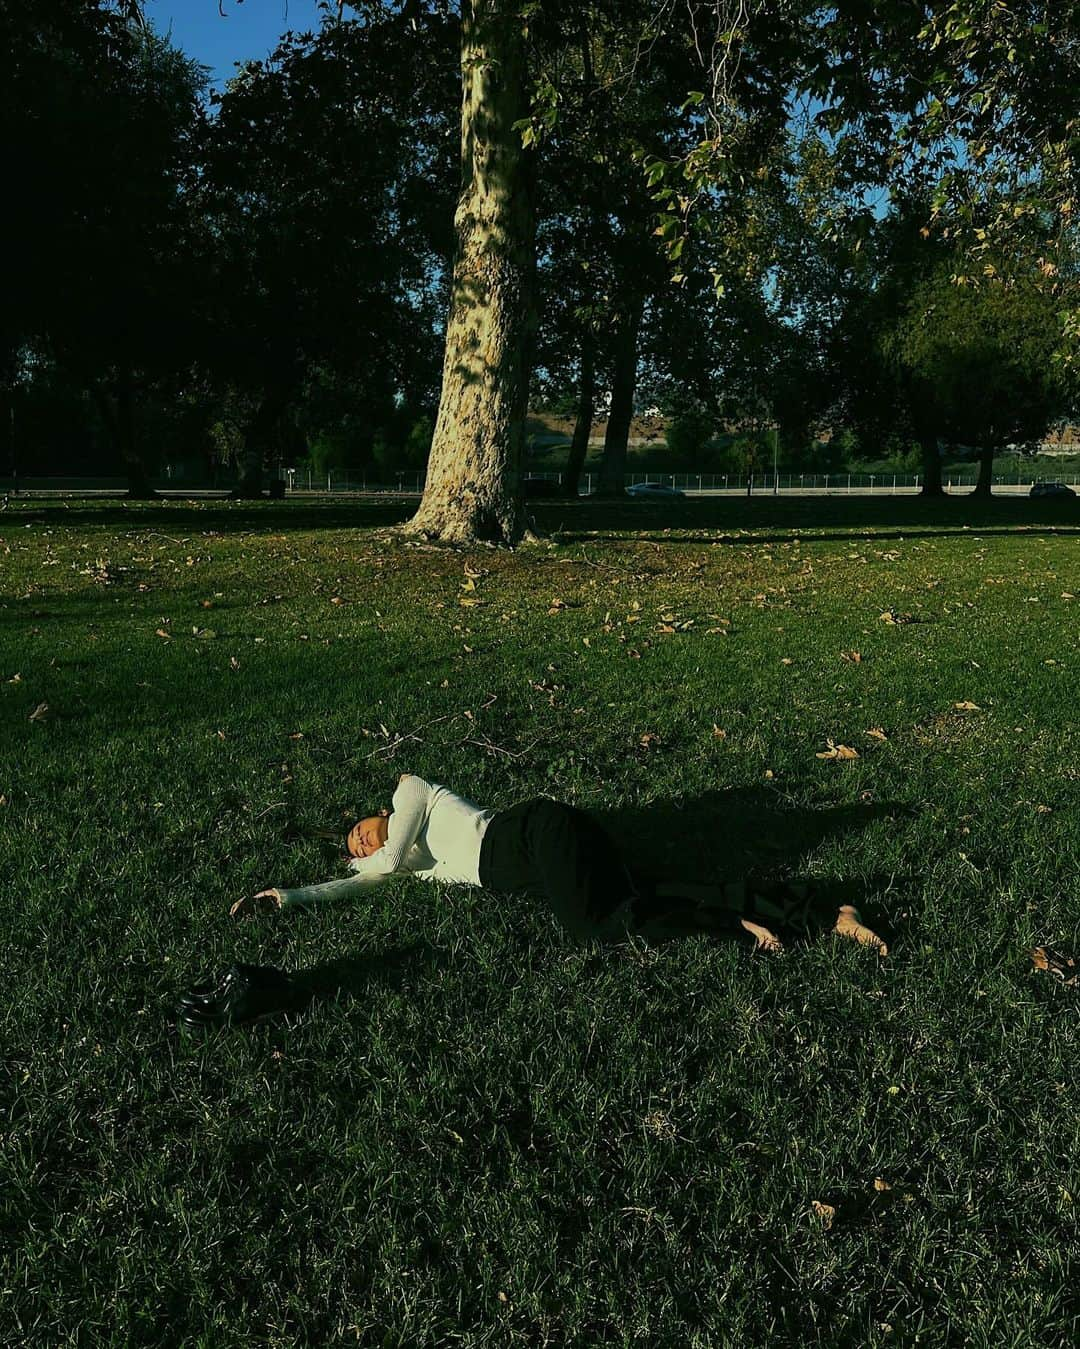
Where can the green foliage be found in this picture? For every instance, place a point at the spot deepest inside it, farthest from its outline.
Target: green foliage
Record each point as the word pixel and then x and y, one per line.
pixel 982 358
pixel 688 435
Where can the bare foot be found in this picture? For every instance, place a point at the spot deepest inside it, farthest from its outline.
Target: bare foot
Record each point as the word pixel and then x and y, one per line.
pixel 764 940
pixel 848 924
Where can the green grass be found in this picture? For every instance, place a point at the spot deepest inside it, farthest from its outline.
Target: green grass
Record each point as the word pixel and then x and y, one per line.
pixel 491 1135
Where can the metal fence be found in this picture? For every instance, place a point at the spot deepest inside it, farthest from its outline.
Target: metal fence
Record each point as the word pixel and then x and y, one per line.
pixel 704 483
pixel 302 482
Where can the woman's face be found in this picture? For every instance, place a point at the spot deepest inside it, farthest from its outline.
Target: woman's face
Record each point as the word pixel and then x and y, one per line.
pixel 368 836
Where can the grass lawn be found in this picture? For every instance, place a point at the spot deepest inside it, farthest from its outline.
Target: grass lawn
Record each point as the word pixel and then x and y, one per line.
pixel 490 1135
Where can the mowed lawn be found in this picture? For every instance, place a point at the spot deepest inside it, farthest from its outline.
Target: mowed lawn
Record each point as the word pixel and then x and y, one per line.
pixel 485 1133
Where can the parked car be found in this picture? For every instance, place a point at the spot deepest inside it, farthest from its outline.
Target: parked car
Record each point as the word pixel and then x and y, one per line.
pixel 542 487
pixel 1051 489
pixel 653 491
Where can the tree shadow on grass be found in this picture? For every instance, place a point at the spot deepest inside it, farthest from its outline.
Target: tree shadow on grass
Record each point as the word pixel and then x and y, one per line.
pixel 785 517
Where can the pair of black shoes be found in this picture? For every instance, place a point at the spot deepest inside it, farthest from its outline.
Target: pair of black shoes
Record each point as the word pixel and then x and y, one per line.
pixel 243 995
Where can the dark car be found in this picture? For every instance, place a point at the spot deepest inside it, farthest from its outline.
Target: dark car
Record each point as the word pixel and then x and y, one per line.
pixel 1051 489
pixel 653 491
pixel 542 487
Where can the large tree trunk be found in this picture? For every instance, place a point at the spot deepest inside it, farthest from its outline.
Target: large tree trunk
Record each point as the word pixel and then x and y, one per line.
pixel 257 441
pixel 473 486
pixel 931 460
pixel 985 480
pixel 119 420
pixel 621 412
pixel 579 446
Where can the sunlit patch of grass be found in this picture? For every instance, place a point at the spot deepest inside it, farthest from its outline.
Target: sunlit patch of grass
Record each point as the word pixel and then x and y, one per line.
pixel 492 1133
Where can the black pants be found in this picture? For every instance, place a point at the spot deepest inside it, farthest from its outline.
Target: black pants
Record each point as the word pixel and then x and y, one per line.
pixel 559 853
pixel 565 857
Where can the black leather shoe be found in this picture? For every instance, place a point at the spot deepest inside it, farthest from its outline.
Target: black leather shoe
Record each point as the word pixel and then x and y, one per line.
pixel 245 994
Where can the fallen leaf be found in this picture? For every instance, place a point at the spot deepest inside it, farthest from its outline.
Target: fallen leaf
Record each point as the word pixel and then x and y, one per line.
pixel 786 660
pixel 40 712
pixel 718 733
pixel 826 1212
pixel 296 735
pixel 876 733
pixel 1044 810
pixel 468 584
pixel 1058 963
pixel 967 707
pixel 854 656
pixel 207 604
pixel 836 751
pixel 15 679
pixel 336 599
pixel 881 1185
pixel 160 632
pixel 469 601
pixel 234 664
pixel 649 740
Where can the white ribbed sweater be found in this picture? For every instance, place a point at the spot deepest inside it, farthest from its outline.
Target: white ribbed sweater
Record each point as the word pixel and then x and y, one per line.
pixel 432 833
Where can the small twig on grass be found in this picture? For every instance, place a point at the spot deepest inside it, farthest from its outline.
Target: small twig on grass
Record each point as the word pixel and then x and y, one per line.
pixel 492 748
pixel 274 805
pixel 414 734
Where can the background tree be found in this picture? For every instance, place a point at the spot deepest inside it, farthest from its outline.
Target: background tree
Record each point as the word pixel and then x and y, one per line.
pixel 324 194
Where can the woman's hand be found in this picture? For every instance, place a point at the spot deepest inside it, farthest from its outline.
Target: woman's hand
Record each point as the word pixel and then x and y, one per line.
pixel 264 902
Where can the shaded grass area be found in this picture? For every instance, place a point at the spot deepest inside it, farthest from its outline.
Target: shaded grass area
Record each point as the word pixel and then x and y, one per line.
pixel 483 1132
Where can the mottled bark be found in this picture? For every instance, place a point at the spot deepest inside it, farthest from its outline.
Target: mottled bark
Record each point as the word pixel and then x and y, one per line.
pixel 473 486
pixel 579 445
pixel 931 460
pixel 621 413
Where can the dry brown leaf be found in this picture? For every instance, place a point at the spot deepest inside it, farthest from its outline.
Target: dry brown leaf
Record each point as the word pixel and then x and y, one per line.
pixel 468 583
pixel 470 601
pixel 967 707
pixel 160 632
pixel 786 660
pixel 718 732
pixel 15 679
pixel 881 1185
pixel 40 712
pixel 1058 963
pixel 836 751
pixel 664 627
pixel 650 740
pixel 826 1212
pixel 854 656
pixel 876 733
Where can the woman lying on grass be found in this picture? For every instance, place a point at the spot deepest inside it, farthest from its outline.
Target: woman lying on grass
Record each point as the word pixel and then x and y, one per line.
pixel 543 847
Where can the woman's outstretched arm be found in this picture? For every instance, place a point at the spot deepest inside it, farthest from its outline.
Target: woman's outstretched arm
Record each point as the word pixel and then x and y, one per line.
pixel 410 804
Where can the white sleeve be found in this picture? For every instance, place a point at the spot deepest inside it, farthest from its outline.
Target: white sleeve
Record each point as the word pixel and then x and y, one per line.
pixel 407 819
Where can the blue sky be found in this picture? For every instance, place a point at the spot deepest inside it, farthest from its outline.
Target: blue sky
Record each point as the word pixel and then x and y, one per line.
pixel 249 30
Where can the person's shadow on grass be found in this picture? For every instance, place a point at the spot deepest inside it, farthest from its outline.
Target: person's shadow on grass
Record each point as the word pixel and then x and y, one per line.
pixel 748 835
